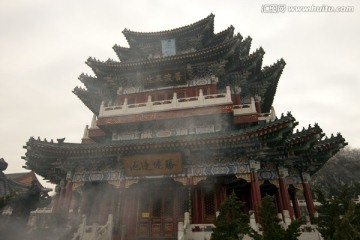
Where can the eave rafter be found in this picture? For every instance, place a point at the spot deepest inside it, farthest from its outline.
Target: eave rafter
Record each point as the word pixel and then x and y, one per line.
pixel 134 37
pixel 245 46
pixel 111 67
pixel 318 154
pixel 222 36
pixel 271 76
pixel 91 100
pixel 303 140
pixel 42 156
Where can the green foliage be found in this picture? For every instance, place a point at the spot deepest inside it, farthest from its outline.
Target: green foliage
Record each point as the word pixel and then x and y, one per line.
pixel 231 221
pixel 339 216
pixel 5 200
pixel 349 225
pixel 270 223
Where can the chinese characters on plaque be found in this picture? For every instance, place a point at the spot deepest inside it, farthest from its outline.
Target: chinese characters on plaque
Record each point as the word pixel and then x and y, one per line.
pixel 161 79
pixel 168 47
pixel 153 164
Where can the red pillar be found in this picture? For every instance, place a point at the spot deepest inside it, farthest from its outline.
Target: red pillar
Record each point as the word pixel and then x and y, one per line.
pixel 237 99
pixel 285 197
pixel 55 202
pixel 60 203
pixel 68 196
pixel 308 198
pixel 258 104
pixel 279 203
pixel 295 205
pixel 255 192
pixel 84 202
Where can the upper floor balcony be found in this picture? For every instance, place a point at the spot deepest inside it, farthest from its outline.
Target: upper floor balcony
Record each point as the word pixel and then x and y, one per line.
pixel 167 105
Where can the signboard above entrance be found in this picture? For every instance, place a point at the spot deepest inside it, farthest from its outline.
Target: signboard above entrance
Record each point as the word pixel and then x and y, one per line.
pixel 168 47
pixel 153 164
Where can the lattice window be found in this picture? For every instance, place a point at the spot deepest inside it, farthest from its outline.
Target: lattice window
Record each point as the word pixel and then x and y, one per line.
pixel 181 94
pixel 156 211
pixel 131 100
pixel 169 96
pixel 168 205
pixel 181 203
pixel 144 206
pixel 209 203
pixel 160 97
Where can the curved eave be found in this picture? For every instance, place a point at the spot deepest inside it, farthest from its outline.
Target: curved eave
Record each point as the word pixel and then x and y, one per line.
pixel 126 54
pixel 53 160
pixel 223 36
pixel 324 150
pixel 214 52
pixel 245 46
pixel 91 83
pixel 334 143
pixel 132 36
pixel 302 136
pixel 90 100
pixel 253 62
pixel 41 149
pixel 300 142
pixel 263 84
pixel 272 73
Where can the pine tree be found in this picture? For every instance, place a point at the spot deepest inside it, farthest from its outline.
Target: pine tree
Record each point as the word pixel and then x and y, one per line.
pixel 271 224
pixel 4 200
pixel 232 221
pixel 339 216
pixel 348 227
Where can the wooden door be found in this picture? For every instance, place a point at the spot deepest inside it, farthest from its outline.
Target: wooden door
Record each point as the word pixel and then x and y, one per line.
pixel 159 211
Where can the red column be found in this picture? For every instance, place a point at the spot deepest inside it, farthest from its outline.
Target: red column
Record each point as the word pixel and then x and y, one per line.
pixel 60 203
pixel 68 195
pixel 237 99
pixel 295 205
pixel 84 202
pixel 258 104
pixel 55 202
pixel 285 197
pixel 279 203
pixel 255 192
pixel 308 198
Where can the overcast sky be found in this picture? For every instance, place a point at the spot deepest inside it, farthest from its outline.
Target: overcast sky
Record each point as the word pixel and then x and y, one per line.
pixel 44 44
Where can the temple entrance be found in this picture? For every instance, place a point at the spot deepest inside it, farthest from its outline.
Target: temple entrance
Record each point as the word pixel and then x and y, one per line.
pixel 97 201
pixel 160 205
pixel 209 194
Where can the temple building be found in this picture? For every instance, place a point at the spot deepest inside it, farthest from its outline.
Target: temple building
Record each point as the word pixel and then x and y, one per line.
pixel 182 119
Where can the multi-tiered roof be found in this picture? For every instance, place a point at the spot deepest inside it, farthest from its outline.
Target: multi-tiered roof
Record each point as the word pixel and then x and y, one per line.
pixel 237 109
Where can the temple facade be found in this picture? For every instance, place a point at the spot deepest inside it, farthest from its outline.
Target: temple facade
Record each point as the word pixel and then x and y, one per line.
pixel 182 119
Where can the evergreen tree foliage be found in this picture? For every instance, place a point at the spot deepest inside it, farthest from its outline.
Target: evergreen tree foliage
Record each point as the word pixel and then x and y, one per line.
pixel 231 221
pixel 349 225
pixel 339 216
pixel 4 200
pixel 271 224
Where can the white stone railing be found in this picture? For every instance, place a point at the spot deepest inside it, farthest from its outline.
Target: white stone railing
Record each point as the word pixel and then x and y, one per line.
pixel 39 218
pixel 166 105
pixel 187 231
pixel 245 109
pixel 95 231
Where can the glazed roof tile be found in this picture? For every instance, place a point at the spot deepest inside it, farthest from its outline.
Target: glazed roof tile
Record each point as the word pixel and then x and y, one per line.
pixel 201 55
pixel 222 36
pixel 238 136
pixel 194 27
pixel 91 100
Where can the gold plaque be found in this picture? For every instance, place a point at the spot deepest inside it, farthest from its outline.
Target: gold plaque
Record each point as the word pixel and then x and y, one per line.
pixel 153 164
pixel 145 214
